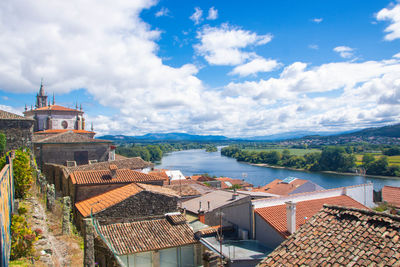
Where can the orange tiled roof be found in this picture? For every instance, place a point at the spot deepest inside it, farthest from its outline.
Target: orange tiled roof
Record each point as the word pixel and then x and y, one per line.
pixel 106 200
pixel 62 131
pixel 339 236
pixel 104 177
pixel 201 178
pixel 391 195
pixel 160 173
pixel 233 182
pixel 279 188
pixel 276 215
pixel 147 235
pixel 57 107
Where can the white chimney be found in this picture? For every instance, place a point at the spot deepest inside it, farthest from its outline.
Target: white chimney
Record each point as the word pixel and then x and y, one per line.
pixel 291 216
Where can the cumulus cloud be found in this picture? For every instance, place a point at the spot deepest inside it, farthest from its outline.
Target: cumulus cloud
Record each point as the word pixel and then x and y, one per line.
pixel 313 46
pixel 397 55
pixel 344 51
pixel 212 14
pixel 392 15
pixel 163 12
pixel 256 65
pixel 197 16
pixel 225 45
pixel 317 20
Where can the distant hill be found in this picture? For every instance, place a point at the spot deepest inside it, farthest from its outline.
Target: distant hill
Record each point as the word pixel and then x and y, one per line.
pixel 386 131
pixel 290 135
pixel 165 137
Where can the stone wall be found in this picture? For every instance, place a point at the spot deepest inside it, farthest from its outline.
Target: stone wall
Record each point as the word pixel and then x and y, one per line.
pixel 18 132
pixel 61 153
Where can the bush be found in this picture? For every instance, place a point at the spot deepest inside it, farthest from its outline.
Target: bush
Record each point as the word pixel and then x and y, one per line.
pixel 22 171
pixel 2 143
pixel 22 238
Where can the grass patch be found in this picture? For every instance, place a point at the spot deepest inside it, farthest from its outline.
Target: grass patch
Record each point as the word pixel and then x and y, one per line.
pixel 293 151
pixel 20 263
pixel 393 160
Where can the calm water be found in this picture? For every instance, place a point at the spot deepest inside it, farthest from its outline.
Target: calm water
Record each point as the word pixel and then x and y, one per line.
pixel 198 161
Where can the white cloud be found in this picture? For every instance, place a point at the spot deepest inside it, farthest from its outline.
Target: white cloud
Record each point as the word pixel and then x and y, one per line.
pixel 344 51
pixel 397 55
pixel 313 46
pixel 212 14
pixel 163 12
pixel 393 15
pixel 224 45
pixel 317 20
pixel 256 65
pixel 197 16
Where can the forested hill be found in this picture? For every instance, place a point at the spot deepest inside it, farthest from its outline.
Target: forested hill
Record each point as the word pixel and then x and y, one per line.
pixel 386 131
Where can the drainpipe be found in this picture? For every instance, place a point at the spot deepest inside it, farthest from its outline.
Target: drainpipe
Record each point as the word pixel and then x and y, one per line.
pixel 253 222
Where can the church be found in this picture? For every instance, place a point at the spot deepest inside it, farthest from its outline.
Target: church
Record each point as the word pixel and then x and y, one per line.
pixel 52 118
pixel 59 135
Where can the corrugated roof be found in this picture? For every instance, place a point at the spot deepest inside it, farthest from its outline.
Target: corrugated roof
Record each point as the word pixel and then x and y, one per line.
pixel 148 235
pixel 69 137
pixel 217 198
pixel 276 215
pixel 338 236
pixel 391 195
pixel 104 177
pixel 5 115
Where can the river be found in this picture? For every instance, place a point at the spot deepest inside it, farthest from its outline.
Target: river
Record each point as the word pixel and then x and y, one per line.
pixel 198 161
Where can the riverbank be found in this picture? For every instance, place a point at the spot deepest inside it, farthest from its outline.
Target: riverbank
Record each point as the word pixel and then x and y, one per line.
pixel 328 172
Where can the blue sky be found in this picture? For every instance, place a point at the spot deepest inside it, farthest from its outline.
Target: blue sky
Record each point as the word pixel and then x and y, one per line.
pixel 236 68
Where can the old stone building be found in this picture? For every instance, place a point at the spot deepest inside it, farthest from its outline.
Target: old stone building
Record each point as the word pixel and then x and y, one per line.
pixel 71 147
pixel 18 130
pixel 54 117
pixel 127 202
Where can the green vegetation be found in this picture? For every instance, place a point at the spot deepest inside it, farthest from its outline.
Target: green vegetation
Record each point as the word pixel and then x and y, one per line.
pixel 293 151
pixel 337 158
pixel 3 142
pixel 155 152
pixel 211 148
pixel 22 171
pixel 22 237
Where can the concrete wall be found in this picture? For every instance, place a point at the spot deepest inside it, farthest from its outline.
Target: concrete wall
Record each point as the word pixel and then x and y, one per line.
pixel 18 133
pixel 267 235
pixel 361 193
pixel 237 213
pixel 61 153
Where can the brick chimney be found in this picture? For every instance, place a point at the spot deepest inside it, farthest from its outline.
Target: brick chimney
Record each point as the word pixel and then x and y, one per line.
pixel 291 216
pixel 113 170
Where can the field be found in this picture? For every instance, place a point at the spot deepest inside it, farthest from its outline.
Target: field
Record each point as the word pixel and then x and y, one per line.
pixel 393 160
pixel 293 151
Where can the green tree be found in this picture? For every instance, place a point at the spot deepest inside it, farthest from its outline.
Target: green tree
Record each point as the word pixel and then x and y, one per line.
pixel 336 159
pixel 367 159
pixel 379 166
pixel 3 142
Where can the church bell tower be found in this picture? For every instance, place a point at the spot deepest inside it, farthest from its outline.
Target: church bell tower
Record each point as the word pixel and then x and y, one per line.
pixel 41 97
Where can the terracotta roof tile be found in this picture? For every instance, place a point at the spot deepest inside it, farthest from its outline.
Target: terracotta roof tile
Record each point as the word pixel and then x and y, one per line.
pixel 104 177
pixel 57 107
pixel 135 163
pixel 391 195
pixel 147 235
pixel 160 173
pixel 226 182
pixel 279 188
pixel 4 115
pixel 52 131
pixel 106 200
pixel 276 215
pixel 341 237
pixel 69 137
pixel 115 196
